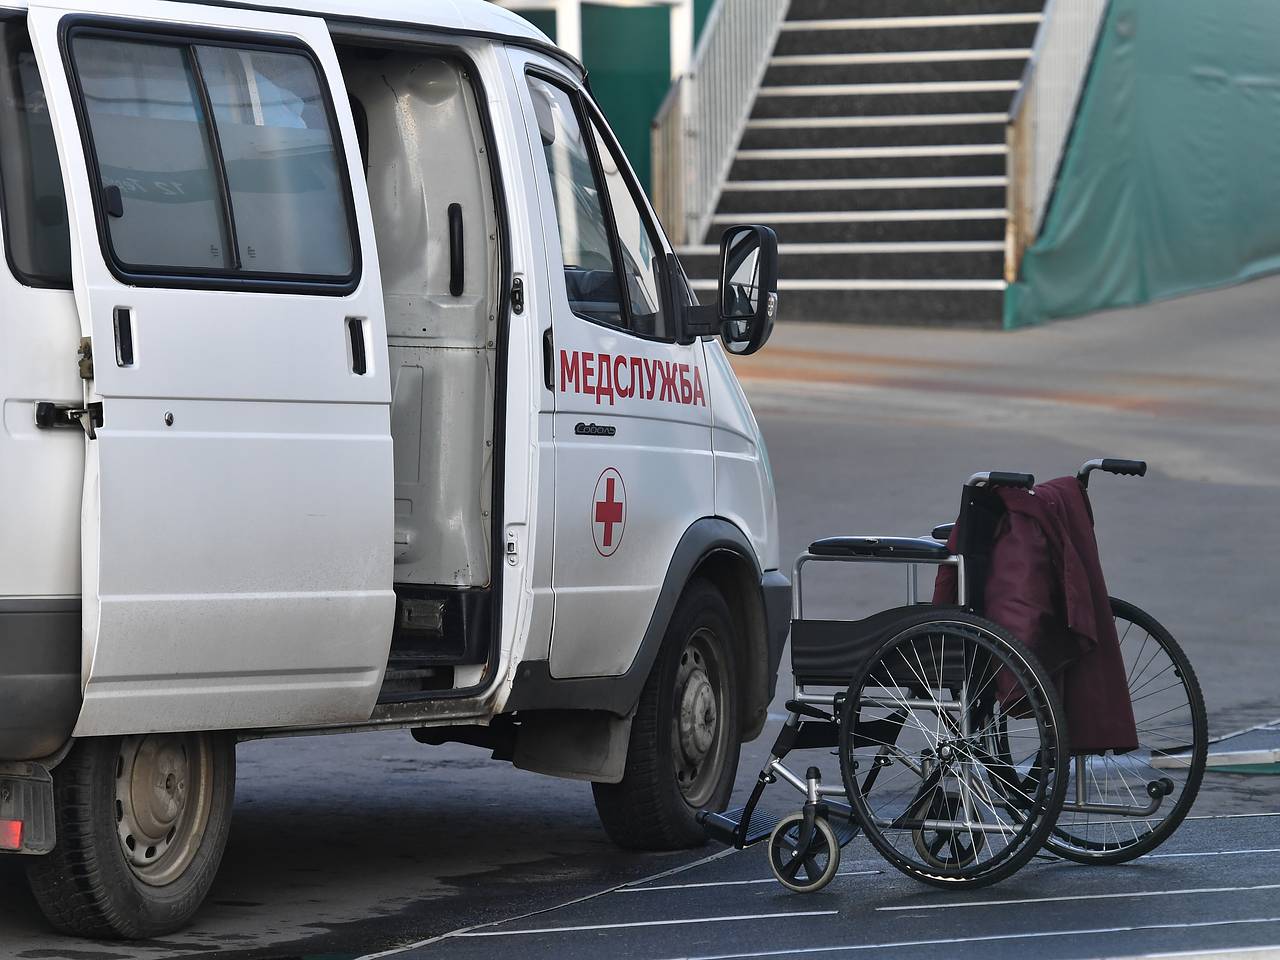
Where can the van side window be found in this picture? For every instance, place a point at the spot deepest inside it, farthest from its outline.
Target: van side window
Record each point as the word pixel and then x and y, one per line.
pixel 590 275
pixel 37 237
pixel 215 160
pixel 642 261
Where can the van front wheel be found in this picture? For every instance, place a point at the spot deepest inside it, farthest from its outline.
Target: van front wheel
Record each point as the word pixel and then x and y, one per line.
pixel 142 822
pixel 685 737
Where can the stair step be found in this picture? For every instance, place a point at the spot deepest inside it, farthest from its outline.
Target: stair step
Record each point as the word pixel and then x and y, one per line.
pixel 923 21
pixel 827 90
pixel 829 69
pixel 829 9
pixel 882 35
pixel 920 130
pixel 949 304
pixel 979 261
pixel 881 193
pixel 834 163
pixel 871 226
pixel 796 102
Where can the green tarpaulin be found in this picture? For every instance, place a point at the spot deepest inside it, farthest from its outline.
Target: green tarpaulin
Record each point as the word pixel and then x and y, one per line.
pixel 1171 179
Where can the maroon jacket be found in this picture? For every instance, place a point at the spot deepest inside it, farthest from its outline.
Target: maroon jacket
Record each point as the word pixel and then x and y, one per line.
pixel 1046 588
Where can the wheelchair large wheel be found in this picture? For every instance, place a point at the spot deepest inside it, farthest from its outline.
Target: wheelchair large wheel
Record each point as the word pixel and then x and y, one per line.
pixel 1168 764
pixel 953 751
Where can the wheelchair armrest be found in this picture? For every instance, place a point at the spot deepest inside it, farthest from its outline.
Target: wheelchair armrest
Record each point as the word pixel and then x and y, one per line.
pixel 900 548
pixel 943 531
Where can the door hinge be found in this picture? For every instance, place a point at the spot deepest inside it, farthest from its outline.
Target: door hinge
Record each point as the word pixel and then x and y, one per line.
pixel 57 416
pixel 85 358
pixel 517 296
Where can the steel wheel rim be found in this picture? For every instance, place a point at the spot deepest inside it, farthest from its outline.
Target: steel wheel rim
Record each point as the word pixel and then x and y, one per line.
pixel 163 794
pixel 698 734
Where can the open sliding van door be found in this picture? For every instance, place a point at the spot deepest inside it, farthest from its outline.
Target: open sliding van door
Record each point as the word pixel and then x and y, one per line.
pixel 237 515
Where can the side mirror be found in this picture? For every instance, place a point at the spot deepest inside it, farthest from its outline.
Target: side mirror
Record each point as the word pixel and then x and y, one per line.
pixel 748 287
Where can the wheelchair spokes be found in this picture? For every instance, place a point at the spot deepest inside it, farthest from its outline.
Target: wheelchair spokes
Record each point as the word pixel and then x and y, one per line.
pixel 919 753
pixel 1121 806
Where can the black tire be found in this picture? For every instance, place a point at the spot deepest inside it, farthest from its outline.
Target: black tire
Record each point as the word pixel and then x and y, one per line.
pixel 665 784
pixel 803 871
pixel 92 885
pixel 944 691
pixel 1157 667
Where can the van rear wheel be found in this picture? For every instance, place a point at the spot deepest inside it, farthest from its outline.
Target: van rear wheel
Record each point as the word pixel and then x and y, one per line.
pixel 685 737
pixel 142 822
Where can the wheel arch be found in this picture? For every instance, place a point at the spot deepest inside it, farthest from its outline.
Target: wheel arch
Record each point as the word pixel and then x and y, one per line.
pixel 759 601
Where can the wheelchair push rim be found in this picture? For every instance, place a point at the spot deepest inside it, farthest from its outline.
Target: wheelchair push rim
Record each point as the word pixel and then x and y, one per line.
pixel 953 753
pixel 1169 712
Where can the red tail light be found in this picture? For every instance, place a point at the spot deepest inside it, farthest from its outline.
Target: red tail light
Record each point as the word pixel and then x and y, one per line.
pixel 10 834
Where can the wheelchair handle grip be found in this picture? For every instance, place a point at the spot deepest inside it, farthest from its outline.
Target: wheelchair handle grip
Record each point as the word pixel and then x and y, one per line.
pixel 1001 478
pixel 1122 468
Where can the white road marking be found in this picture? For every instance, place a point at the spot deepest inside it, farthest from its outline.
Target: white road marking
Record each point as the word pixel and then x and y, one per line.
pixel 1080 896
pixel 1270 952
pixel 1210 853
pixel 994 937
pixel 646 923
pixel 733 883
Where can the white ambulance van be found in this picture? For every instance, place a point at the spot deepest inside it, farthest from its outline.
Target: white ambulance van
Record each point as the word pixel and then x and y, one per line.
pixel 348 382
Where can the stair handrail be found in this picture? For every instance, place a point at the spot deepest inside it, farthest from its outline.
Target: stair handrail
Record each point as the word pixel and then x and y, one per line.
pixel 1042 115
pixel 696 131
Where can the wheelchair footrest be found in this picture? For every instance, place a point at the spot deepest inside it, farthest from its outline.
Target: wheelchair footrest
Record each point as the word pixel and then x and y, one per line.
pixel 727 827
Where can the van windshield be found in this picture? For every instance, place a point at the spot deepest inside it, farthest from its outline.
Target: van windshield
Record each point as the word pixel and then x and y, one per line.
pixel 37 238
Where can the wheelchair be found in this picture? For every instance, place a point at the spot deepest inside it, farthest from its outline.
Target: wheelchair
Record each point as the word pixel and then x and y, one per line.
pixel 951 736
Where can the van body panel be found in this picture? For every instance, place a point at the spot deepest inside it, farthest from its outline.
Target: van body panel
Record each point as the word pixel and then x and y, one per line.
pixel 237 503
pixel 625 437
pixel 238 562
pixel 744 479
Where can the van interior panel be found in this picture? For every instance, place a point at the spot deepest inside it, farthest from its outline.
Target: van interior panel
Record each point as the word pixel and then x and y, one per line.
pixel 436 225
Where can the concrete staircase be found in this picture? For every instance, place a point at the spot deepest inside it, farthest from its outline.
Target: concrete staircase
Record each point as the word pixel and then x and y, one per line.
pixel 876 149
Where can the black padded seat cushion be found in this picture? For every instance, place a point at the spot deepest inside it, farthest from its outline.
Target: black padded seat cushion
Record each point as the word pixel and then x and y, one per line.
pixel 830 652
pixel 905 548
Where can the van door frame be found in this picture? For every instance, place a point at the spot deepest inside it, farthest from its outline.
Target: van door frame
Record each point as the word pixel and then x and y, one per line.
pixel 426 40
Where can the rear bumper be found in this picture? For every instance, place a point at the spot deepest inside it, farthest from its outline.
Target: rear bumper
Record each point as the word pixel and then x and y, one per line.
pixel 39 676
pixel 776 590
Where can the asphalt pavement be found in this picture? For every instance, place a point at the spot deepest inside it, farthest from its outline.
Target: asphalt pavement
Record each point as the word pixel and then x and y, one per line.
pixel 345 846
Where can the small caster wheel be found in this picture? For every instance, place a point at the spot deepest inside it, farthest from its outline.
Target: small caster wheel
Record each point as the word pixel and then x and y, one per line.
pixel 1160 788
pixel 803 870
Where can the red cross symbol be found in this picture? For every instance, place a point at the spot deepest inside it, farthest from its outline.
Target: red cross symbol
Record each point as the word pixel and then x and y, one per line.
pixel 610 503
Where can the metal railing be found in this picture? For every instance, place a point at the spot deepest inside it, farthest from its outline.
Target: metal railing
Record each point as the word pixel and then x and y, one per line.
pixel 696 131
pixel 1042 114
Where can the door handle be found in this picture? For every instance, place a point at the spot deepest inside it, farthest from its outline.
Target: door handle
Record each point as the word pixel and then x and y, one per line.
pixel 123 319
pixel 457 275
pixel 548 361
pixel 359 361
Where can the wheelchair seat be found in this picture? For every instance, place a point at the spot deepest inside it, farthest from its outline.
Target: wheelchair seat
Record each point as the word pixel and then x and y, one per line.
pixel 906 548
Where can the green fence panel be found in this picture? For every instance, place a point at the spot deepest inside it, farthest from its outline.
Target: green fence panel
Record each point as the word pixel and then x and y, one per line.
pixel 1168 183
